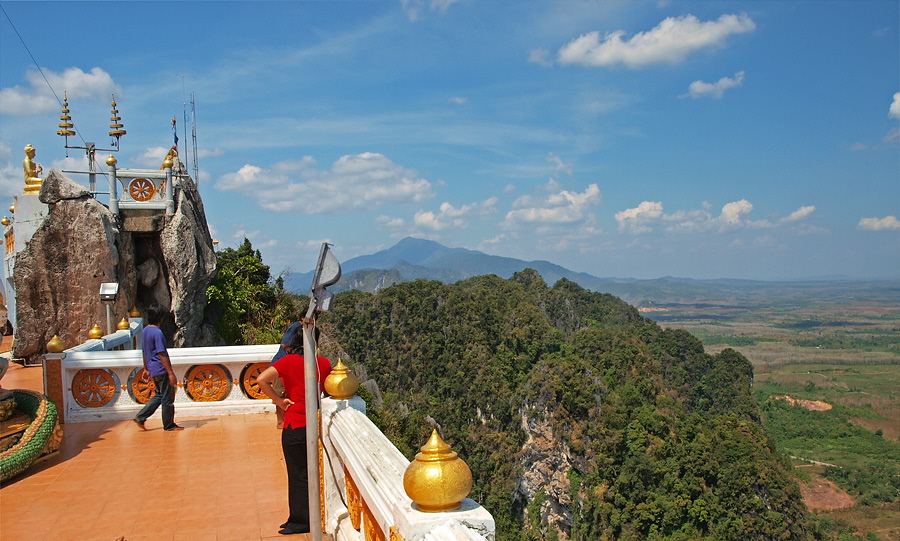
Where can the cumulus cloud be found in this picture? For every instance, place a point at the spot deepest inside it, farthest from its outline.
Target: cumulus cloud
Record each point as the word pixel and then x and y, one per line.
pixel 670 42
pixel 36 97
pixel 450 217
pixel 562 208
pixel 894 111
pixel 636 220
pixel 888 223
pixel 354 182
pixel 698 89
pixel 649 216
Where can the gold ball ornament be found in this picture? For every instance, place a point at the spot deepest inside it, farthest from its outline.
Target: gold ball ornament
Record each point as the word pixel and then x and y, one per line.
pixel 167 162
pixel 437 480
pixel 4 220
pixel 56 345
pixel 95 332
pixel 111 160
pixel 12 208
pixel 134 312
pixel 341 383
pixel 123 325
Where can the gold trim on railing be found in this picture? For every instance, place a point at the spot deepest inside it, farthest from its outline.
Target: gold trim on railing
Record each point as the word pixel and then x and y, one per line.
pixel 354 504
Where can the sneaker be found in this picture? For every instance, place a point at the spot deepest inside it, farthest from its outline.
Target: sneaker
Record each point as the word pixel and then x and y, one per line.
pixel 139 423
pixel 174 428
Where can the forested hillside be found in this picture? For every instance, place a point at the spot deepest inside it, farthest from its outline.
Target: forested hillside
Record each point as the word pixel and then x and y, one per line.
pixel 579 418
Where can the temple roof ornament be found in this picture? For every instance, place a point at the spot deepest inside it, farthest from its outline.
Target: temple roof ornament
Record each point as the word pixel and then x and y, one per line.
pixel 341 383
pixel 437 480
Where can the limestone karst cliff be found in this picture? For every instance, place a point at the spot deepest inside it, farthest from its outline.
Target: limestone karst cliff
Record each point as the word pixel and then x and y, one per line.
pixel 81 244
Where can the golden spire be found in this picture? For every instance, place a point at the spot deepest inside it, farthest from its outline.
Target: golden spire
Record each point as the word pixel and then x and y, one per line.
pixel 65 121
pixel 115 125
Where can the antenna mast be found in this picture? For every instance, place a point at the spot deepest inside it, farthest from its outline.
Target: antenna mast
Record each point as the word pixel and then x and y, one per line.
pixel 194 137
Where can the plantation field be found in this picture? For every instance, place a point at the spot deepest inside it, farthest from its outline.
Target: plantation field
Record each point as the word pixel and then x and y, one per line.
pixel 827 378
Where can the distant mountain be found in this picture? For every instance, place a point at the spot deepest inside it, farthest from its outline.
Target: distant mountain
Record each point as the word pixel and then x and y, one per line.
pixel 412 259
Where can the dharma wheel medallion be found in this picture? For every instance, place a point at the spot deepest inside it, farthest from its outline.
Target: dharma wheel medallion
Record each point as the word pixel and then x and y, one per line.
pixel 207 383
pixel 142 189
pixel 94 387
pixel 248 380
pixel 140 391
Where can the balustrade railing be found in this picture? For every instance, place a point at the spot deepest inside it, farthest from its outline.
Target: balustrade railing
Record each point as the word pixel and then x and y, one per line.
pixel 361 473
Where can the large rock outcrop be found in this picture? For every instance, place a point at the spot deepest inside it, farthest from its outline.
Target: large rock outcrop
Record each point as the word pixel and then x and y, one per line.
pixel 81 244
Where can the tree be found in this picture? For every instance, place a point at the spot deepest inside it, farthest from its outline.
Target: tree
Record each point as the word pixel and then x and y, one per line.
pixel 252 309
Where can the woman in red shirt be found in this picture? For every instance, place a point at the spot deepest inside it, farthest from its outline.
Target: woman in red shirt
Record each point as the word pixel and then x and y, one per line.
pixel 290 369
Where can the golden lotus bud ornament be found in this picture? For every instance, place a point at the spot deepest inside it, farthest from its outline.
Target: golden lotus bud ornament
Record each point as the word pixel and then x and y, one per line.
pixel 341 383
pixel 4 220
pixel 123 325
pixel 56 345
pixel 437 480
pixel 134 312
pixel 95 332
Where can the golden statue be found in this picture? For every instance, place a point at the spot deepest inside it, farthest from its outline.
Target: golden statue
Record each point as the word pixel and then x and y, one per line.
pixel 32 170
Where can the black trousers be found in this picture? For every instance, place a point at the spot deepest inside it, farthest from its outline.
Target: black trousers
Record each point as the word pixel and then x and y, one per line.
pixel 293 445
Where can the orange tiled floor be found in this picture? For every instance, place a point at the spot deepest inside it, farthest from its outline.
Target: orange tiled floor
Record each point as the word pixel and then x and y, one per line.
pixel 222 478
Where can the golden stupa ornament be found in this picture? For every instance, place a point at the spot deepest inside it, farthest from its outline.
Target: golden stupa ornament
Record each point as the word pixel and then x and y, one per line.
pixel 123 325
pixel 341 383
pixel 115 123
pixel 56 345
pixel 134 312
pixel 65 121
pixel 32 170
pixel 437 480
pixel 95 332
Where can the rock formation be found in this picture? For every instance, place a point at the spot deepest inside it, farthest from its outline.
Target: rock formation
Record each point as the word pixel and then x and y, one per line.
pixel 81 244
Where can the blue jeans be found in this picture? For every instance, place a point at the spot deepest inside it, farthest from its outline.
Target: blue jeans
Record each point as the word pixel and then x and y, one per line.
pixel 165 396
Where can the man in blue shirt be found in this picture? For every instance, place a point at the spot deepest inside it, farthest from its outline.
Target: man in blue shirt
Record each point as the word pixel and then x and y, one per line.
pixel 158 366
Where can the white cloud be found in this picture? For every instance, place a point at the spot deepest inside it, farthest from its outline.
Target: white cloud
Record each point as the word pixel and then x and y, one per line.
pixel 556 209
pixel 459 100
pixel 670 42
pixel 354 182
pixel 735 215
pixel 540 56
pixel 413 8
pixel 560 166
pixel 699 89
pixel 887 223
pixel 800 214
pixel 450 217
pixel 894 111
pixel 387 222
pixel 636 219
pixel 36 97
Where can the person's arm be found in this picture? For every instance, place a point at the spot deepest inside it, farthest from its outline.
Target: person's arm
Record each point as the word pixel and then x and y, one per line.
pixel 265 380
pixel 167 364
pixel 145 375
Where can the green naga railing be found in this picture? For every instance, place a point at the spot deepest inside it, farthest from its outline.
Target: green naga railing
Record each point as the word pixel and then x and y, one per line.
pixel 42 435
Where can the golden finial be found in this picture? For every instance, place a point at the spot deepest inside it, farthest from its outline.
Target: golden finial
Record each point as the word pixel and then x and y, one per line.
pixel 115 125
pixel 12 208
pixel 65 121
pixel 134 312
pixel 437 480
pixel 341 383
pixel 56 345
pixel 95 332
pixel 4 220
pixel 123 325
pixel 111 160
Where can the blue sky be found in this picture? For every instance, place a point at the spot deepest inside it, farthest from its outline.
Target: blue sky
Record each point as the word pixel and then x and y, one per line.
pixel 721 139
